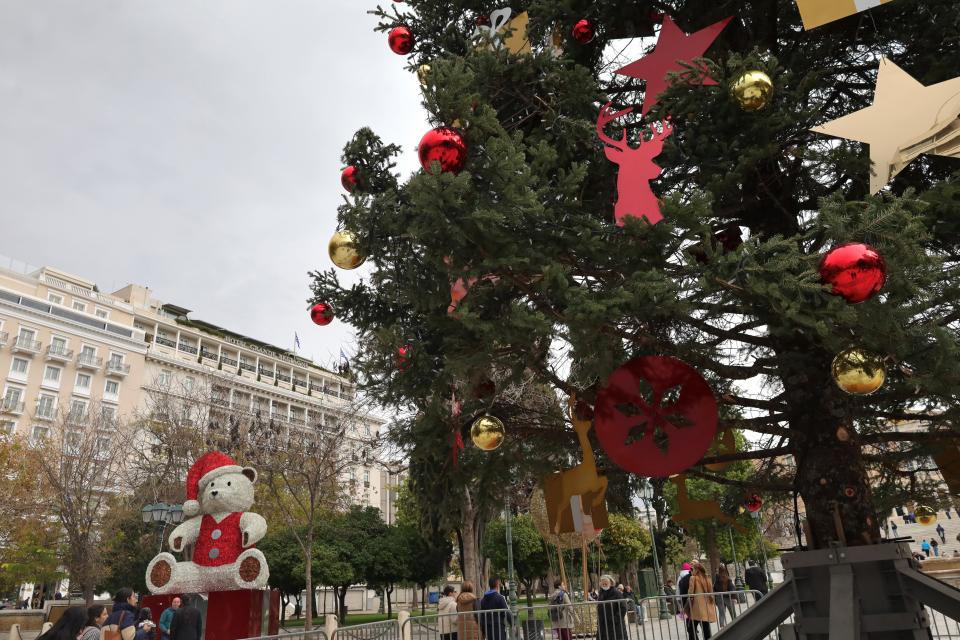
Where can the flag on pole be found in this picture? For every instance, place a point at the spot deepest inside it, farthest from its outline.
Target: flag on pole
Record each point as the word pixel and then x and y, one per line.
pixel 296 340
pixel 819 12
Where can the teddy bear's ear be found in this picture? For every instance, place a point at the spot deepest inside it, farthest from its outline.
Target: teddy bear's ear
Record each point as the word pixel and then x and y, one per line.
pixel 251 473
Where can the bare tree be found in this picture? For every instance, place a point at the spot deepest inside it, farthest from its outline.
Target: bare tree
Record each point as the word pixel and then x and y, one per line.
pixel 304 469
pixel 83 460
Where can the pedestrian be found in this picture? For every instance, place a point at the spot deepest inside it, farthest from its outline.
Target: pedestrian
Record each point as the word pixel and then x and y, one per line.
pixel 58 596
pixel 121 624
pixel 632 603
pixel 956 553
pixel 561 611
pixel 468 628
pixel 146 629
pixel 96 616
pixel 187 622
pixel 447 612
pixel 167 617
pixel 925 547
pixel 756 579
pixel 723 584
pixel 68 627
pixel 893 525
pixel 495 613
pixel 935 546
pixel 941 532
pixel 701 606
pixel 684 571
pixel 947 511
pixel 670 590
pixel 611 611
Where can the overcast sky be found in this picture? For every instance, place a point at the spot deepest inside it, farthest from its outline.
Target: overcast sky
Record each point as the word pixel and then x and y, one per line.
pixel 193 147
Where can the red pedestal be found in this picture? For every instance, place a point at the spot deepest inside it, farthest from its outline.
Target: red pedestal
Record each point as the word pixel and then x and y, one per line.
pixel 230 615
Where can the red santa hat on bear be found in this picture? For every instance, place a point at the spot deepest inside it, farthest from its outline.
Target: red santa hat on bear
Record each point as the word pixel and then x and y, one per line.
pixel 207 467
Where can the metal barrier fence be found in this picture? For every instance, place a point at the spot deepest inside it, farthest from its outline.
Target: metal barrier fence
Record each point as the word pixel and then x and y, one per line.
pixel 692 616
pixel 607 620
pixel 313 634
pixel 385 630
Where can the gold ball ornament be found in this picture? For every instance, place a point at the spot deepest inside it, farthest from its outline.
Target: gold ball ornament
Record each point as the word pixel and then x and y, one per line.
pixel 487 433
pixel 925 515
pixel 423 73
pixel 858 371
pixel 343 250
pixel 753 90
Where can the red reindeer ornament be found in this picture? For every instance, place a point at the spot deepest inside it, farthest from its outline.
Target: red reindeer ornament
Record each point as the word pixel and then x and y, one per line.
pixel 637 168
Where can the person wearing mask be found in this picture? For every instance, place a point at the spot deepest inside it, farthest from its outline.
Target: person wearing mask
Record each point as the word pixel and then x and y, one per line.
pixel 723 584
pixel 468 627
pixel 145 626
pixel 68 627
pixel 495 613
pixel 167 617
pixel 702 608
pixel 187 623
pixel 123 619
pixel 610 611
pixel 756 579
pixel 447 612
pixel 96 616
pixel 561 611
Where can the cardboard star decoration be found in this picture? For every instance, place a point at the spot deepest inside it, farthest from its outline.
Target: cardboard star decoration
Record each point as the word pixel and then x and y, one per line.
pixel 819 12
pixel 906 120
pixel 673 46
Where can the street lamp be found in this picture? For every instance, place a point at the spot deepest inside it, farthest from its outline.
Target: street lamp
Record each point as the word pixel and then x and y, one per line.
pixel 647 493
pixel 161 514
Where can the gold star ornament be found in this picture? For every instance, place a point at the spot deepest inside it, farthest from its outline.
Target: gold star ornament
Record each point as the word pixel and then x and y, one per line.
pixel 906 120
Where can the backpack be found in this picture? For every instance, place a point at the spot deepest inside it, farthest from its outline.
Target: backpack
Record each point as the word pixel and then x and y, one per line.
pixel 555 611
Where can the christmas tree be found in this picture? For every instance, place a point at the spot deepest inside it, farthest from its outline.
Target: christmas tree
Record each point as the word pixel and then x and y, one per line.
pixel 532 269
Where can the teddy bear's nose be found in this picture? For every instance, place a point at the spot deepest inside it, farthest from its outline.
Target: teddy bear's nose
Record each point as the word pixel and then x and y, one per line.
pixel 213 493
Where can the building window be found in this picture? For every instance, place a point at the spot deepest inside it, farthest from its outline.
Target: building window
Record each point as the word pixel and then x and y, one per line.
pixel 102 313
pixel 79 306
pixel 12 397
pixel 51 376
pixel 27 335
pixel 164 378
pixel 108 415
pixel 116 359
pixel 55 298
pixel 111 390
pixel 188 384
pixel 46 406
pixel 88 352
pixel 58 345
pixel 39 433
pixel 83 382
pixel 7 427
pixel 19 368
pixel 78 409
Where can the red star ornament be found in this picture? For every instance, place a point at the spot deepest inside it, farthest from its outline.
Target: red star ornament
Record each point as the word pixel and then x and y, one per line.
pixel 673 46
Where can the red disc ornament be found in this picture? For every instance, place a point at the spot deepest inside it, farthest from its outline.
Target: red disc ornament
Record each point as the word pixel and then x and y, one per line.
pixel 482 21
pixel 584 31
pixel 401 40
pixel 446 146
pixel 656 416
pixel 348 178
pixel 754 503
pixel 404 357
pixel 321 314
pixel 856 271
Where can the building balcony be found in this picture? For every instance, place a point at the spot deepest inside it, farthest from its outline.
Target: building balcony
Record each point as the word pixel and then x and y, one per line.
pixel 166 342
pixel 283 378
pixel 187 348
pixel 4 336
pixel 93 363
pixel 266 372
pixel 230 362
pixel 25 345
pixel 245 366
pixel 117 368
pixel 298 420
pixel 209 355
pixel 61 354
pixel 12 406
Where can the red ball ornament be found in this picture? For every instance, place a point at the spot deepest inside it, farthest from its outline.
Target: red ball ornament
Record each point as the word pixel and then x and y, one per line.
pixel 401 40
pixel 754 503
pixel 348 178
pixel 584 32
pixel 404 357
pixel 856 271
pixel 446 146
pixel 321 314
pixel 482 21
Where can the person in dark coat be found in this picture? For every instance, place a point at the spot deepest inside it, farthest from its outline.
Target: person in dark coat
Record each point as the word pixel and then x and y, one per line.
pixel 123 615
pixel 756 579
pixel 68 627
pixel 187 623
pixel 610 611
pixel 494 613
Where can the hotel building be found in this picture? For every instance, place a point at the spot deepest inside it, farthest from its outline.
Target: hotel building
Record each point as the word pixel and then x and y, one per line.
pixel 66 347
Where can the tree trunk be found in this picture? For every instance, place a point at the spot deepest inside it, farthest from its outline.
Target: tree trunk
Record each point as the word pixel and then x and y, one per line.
pixel 388 591
pixel 471 561
pixel 713 551
pixel 341 592
pixel 423 599
pixel 284 601
pixel 308 578
pixel 528 587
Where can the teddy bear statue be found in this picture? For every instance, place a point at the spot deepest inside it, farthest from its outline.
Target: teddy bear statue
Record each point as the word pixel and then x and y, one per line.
pixel 223 533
